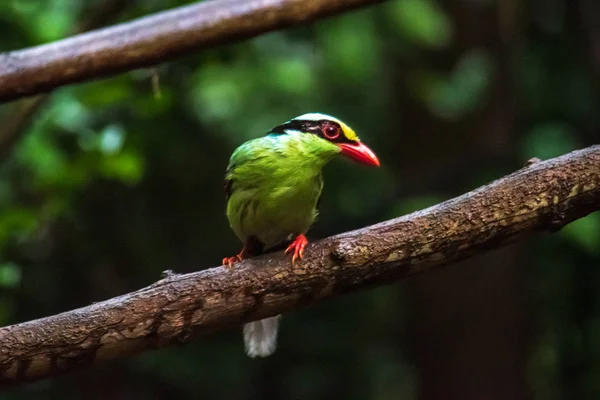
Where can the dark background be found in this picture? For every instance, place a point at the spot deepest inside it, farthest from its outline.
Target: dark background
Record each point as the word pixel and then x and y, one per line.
pixel 109 186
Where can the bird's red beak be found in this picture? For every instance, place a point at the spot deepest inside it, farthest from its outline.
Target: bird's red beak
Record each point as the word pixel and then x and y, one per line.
pixel 359 152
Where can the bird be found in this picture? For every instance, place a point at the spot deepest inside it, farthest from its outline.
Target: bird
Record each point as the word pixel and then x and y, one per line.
pixel 273 188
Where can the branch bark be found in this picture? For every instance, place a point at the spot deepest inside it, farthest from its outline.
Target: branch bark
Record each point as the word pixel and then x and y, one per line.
pixel 153 39
pixel 541 196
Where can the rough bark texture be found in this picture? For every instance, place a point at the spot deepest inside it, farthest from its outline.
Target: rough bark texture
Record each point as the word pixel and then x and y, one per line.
pixel 153 39
pixel 541 196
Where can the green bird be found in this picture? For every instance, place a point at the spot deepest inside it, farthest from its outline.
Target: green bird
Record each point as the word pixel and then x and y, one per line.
pixel 273 185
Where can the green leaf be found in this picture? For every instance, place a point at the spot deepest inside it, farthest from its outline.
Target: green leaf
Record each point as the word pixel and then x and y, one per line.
pixel 52 19
pixel 422 22
pixel 47 162
pixel 464 90
pixel 549 140
pixel 112 139
pixel 69 113
pixel 585 233
pixel 17 222
pixel 351 48
pixel 127 167
pixel 10 275
pixel 218 92
pixel 108 92
pixel 292 75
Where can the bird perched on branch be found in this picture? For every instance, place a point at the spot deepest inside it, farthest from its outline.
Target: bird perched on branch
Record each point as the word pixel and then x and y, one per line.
pixel 273 185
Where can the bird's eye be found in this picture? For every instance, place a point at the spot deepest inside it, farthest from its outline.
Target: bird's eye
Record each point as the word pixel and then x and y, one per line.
pixel 331 132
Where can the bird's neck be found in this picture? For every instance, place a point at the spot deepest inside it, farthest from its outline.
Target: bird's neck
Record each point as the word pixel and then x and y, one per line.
pixel 305 151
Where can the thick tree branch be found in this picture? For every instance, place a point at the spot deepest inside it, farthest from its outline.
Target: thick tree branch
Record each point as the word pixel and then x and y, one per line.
pixel 541 196
pixel 152 40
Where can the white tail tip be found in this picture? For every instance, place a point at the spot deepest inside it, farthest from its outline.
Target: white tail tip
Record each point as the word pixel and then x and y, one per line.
pixel 260 337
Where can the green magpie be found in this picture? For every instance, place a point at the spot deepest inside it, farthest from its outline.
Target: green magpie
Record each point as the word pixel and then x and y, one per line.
pixel 273 186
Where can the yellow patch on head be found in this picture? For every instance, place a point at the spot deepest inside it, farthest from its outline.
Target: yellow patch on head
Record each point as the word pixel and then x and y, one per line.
pixel 348 132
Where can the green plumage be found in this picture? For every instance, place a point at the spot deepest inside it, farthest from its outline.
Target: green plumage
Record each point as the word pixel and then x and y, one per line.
pixel 274 184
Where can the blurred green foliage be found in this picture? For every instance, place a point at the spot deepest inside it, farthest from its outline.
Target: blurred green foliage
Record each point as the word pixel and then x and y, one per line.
pixel 422 22
pixel 110 185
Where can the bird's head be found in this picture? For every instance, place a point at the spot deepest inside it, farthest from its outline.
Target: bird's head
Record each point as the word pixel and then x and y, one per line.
pixel 329 133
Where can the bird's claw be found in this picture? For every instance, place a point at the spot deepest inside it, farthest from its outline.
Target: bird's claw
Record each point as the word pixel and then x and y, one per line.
pixel 229 261
pixel 297 246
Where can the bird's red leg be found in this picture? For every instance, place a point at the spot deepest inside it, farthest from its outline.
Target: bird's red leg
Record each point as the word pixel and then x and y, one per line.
pixel 229 261
pixel 297 246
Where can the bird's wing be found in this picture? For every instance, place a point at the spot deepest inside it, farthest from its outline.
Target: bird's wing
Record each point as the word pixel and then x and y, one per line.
pixel 320 184
pixel 227 187
pixel 228 182
pixel 239 156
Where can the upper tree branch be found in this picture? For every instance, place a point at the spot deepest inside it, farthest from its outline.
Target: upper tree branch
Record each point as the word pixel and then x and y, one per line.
pixel 153 39
pixel 541 196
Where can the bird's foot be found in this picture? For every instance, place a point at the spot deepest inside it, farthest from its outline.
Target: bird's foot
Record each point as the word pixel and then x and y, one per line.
pixel 297 246
pixel 229 261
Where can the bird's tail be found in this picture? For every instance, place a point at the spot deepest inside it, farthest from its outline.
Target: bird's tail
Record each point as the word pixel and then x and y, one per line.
pixel 260 337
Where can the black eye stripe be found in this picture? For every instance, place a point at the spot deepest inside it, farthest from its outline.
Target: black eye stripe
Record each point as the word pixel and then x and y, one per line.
pixel 312 127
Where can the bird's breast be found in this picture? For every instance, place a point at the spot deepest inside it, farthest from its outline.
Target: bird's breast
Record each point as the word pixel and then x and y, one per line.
pixel 274 209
